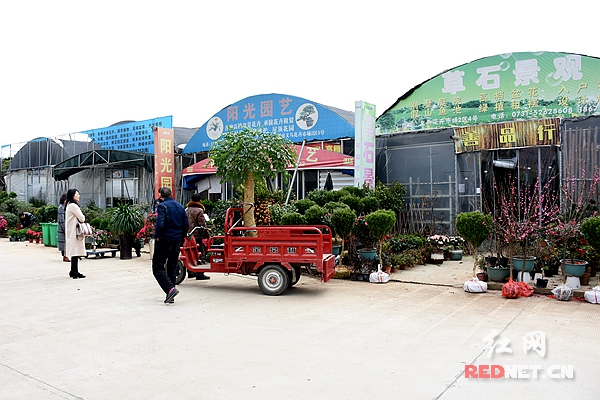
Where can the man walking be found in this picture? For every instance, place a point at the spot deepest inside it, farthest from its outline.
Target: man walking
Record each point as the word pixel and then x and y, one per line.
pixel 169 232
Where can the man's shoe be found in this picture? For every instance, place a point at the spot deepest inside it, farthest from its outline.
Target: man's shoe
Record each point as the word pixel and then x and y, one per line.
pixel 172 293
pixel 202 277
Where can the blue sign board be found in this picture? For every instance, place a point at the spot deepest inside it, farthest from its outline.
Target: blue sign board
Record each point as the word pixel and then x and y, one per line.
pixel 130 136
pixel 293 117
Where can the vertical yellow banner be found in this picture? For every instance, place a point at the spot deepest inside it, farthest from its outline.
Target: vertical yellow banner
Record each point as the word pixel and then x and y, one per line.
pixel 164 159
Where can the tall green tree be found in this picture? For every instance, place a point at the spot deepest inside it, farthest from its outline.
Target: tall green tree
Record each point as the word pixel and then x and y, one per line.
pixel 248 156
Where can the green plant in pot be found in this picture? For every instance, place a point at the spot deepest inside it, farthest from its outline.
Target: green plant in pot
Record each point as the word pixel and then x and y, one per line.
pixel 126 221
pixel 591 231
pixel 474 227
pixel 381 223
pixel 342 220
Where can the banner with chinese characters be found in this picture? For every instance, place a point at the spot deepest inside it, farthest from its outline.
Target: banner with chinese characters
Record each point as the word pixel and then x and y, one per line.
pixel 164 159
pixel 293 117
pixel 130 136
pixel 543 132
pixel 506 87
pixel 364 144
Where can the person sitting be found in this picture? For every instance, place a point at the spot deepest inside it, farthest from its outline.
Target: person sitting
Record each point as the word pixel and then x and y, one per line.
pixel 195 213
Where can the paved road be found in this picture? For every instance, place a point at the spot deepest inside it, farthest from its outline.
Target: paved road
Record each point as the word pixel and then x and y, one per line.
pixel 110 336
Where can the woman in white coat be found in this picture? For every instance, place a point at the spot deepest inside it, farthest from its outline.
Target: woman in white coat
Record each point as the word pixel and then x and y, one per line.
pixel 74 245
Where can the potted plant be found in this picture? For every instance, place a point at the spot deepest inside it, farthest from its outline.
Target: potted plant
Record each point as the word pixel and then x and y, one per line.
pixel 482 267
pixel 364 239
pixel 437 243
pixel 380 224
pixel 591 231
pixel 126 221
pixel 474 227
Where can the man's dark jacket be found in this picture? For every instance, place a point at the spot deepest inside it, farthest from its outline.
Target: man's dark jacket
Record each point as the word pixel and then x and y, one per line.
pixel 171 222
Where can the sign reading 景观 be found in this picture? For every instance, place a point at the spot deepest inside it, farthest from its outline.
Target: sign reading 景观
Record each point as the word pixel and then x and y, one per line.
pixel 164 159
pixel 506 87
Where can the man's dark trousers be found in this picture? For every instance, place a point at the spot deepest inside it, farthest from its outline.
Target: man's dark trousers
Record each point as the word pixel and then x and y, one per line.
pixel 166 252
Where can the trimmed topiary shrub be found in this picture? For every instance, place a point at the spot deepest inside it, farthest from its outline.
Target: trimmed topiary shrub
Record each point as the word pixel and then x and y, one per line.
pixel 303 205
pixel 294 218
pixel 315 215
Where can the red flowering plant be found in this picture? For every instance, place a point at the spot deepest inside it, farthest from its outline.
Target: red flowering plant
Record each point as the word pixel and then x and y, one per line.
pixel 578 202
pixel 522 216
pixel 147 231
pixel 33 234
pixel 3 224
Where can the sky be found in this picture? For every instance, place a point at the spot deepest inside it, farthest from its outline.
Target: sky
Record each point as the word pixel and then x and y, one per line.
pixel 69 66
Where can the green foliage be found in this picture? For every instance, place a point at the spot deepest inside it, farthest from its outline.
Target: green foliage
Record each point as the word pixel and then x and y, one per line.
pixel 217 214
pixel 279 210
pixel 332 205
pixel 265 154
pixel 11 219
pixel 294 218
pixel 321 197
pixel 370 204
pixel 105 224
pixel 400 243
pixel 126 220
pixel 474 227
pixel 15 206
pixel 342 220
pixel 591 231
pixel 96 222
pixel 92 212
pixel 392 197
pixel 35 202
pixel 303 205
pixel 315 215
pixel 381 222
pixel 354 202
pixel 353 191
pixel 47 213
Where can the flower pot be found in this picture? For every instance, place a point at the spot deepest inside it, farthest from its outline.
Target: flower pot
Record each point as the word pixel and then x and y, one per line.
pixel 437 256
pixel 482 276
pixel 520 264
pixel 585 278
pixel 335 249
pixel 388 270
pixel 368 254
pixel 576 268
pixel 490 262
pixel 456 255
pixel 498 274
pixel 541 283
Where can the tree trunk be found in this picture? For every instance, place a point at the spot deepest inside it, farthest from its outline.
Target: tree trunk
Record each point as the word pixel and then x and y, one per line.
pixel 249 198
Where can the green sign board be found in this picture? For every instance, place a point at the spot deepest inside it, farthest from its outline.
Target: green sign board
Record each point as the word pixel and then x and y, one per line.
pixel 506 87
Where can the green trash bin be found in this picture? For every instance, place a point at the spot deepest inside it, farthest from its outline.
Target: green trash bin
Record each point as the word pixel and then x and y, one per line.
pixel 53 234
pixel 46 233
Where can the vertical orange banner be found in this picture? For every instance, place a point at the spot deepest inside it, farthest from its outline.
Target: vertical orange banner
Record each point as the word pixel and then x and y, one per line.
pixel 164 159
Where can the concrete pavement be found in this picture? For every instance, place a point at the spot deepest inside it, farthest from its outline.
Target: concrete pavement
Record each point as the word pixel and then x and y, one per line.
pixel 110 336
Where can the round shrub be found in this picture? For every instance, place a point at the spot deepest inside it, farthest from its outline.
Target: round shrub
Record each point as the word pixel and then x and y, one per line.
pixel 303 205
pixel 314 215
pixel 371 203
pixel 354 202
pixel 332 205
pixel 294 218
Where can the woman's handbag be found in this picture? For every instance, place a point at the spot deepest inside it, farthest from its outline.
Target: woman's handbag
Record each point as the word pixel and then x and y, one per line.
pixel 84 229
